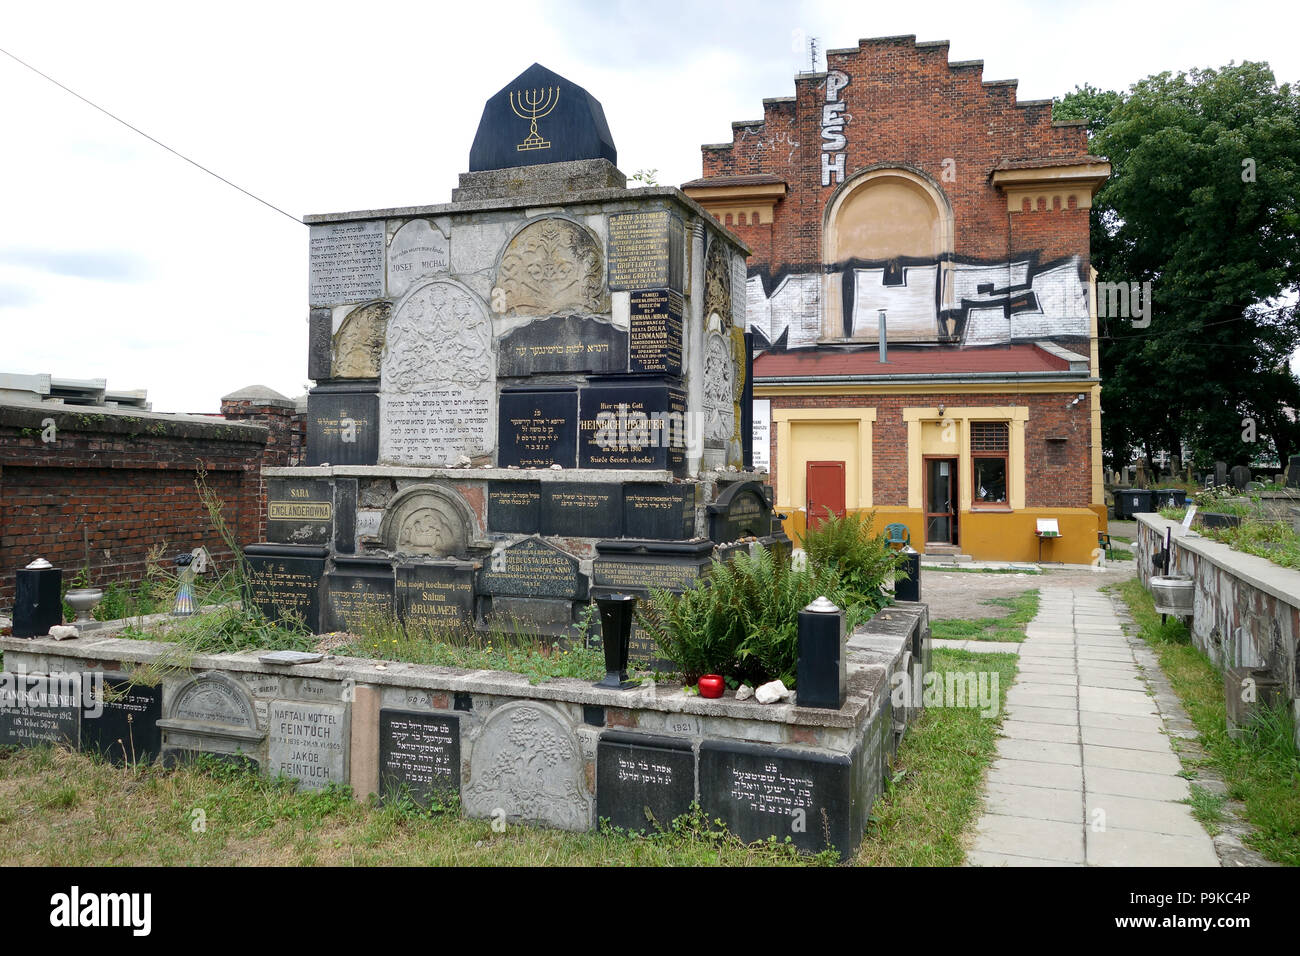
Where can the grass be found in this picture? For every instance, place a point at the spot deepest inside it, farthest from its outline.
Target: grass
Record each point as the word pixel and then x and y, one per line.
pixel 935 799
pixel 1009 627
pixel 502 649
pixel 1262 769
pixel 63 808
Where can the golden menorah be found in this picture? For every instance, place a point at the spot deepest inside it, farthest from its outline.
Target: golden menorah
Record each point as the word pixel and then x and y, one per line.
pixel 532 106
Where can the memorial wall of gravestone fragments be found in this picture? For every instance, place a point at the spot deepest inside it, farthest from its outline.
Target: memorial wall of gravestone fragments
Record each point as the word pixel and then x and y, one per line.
pixel 569 346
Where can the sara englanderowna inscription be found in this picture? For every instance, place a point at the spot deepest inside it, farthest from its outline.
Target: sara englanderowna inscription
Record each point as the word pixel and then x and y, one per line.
pixel 347 262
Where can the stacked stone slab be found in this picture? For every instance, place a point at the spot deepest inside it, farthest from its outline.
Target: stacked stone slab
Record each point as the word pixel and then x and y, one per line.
pixel 538 387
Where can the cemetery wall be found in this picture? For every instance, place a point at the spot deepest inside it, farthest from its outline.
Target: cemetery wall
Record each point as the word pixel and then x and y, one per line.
pixel 117 484
pixel 563 753
pixel 1246 610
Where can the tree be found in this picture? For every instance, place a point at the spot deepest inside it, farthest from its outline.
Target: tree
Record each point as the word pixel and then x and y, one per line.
pixel 1203 203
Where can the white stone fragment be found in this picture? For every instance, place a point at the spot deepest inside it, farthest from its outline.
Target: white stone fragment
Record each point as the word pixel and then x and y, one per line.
pixel 744 692
pixel 771 692
pixel 64 632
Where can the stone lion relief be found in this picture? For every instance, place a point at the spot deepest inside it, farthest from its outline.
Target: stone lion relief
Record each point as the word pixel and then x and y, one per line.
pixel 359 342
pixel 717 283
pixel 552 267
pixel 719 389
pixel 439 336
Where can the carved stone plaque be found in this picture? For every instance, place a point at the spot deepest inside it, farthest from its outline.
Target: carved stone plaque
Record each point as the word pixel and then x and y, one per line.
pixel 347 262
pixel 527 763
pixel 418 250
pixel 437 387
pixel 552 267
pixel 427 519
pixel 360 342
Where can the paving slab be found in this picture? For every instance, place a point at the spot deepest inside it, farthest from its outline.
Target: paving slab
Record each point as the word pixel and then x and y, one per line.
pixel 1085 771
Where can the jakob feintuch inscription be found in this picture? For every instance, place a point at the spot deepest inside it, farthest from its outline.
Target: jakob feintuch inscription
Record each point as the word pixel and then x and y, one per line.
pixel 308 742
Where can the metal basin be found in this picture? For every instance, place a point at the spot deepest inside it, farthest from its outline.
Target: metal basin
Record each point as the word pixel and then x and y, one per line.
pixel 1173 593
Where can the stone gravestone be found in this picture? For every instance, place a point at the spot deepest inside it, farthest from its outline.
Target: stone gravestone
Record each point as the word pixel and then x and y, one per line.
pixel 299 511
pixel 342 424
pixel 1293 472
pixel 762 791
pixel 308 742
pixel 126 729
pixel 655 338
pixel 538 427
pixel 534 582
pixel 582 508
pixel 1220 473
pixel 540 117
pixel 419 755
pixel 38 709
pixel 565 343
pixel 643 782
pixel 361 590
pixel 744 509
pixel 347 262
pixel 527 763
pixel 437 394
pixel 660 511
pixel 633 424
pixel 285 580
pixel 418 249
pixel 1240 477
pixel 513 506
pixel 634 567
pixel 214 714
pixel 436 595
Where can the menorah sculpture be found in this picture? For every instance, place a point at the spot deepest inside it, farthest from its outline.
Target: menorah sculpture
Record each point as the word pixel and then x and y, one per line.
pixel 532 106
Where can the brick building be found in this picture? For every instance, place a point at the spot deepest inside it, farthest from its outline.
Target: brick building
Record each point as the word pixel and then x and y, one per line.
pixel 900 192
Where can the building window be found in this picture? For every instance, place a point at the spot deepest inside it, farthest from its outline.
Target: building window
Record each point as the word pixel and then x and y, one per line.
pixel 990 443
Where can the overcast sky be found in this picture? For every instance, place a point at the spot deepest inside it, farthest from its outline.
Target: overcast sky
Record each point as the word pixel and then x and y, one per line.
pixel 120 261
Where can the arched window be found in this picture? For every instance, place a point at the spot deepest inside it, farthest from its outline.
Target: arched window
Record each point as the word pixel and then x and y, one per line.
pixel 887 243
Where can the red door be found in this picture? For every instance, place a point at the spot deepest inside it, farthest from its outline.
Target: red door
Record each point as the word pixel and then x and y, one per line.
pixel 824 488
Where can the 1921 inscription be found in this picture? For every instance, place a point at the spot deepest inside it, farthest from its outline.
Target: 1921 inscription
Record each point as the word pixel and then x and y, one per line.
pixel 347 262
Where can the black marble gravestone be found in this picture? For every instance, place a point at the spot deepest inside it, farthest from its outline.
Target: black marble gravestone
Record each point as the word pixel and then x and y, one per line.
pixel 1240 477
pixel 359 590
pixel 643 782
pixel 320 345
pixel 655 337
pixel 743 509
pixel 659 510
pixel 514 506
pixel 299 510
pixel 646 250
pixel 343 423
pixel 419 755
pixel 285 581
pixel 532 583
pixel 761 791
pixel 436 594
pixel 540 117
pixel 1293 472
pixel 634 422
pixel 563 343
pixel 346 493
pixel 634 567
pixel 582 509
pixel 38 709
pixel 126 729
pixel 538 427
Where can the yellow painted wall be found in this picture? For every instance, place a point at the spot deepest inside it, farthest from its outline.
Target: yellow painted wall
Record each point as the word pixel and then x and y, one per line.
pixel 995 536
pixel 826 441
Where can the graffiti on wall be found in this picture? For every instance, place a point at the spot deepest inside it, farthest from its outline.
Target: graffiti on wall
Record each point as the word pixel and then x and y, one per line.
pixel 968 303
pixel 833 121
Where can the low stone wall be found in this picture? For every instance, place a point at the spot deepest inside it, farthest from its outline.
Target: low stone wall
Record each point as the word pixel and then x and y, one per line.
pixel 563 753
pixel 1247 609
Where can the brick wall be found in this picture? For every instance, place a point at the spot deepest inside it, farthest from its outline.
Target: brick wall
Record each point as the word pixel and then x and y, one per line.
pixel 124 482
pixel 1057 474
pixel 906 105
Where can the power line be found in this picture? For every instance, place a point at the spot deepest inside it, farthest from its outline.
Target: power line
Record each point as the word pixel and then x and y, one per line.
pixel 135 129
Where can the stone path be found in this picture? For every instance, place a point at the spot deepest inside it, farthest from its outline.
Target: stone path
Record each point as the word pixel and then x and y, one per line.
pixel 1084 774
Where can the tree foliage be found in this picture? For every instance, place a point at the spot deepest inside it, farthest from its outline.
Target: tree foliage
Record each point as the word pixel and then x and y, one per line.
pixel 1203 203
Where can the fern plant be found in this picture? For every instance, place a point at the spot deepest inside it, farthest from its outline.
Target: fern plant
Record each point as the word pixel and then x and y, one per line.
pixel 863 559
pixel 741 621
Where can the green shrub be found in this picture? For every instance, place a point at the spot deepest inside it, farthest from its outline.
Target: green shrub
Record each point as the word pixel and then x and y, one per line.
pixel 863 559
pixel 741 622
